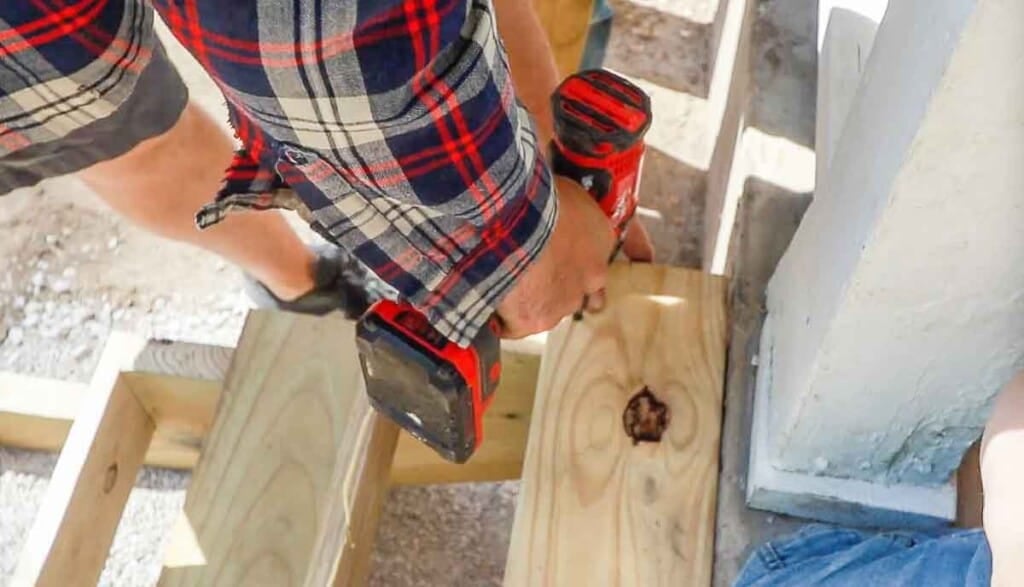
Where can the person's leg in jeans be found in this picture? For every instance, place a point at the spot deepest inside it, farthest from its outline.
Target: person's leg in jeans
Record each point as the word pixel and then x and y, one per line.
pixel 829 556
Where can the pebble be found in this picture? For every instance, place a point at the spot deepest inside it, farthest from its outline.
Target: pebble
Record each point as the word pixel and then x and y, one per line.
pixel 65 231
pixel 60 285
pixel 51 239
pixel 69 272
pixel 113 242
pixel 38 279
pixel 55 332
pixel 15 335
pixel 80 352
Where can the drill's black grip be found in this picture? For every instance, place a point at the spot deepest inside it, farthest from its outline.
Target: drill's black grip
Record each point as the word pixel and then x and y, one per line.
pixel 595 180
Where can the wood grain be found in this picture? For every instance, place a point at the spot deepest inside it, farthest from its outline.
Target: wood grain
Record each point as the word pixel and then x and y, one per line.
pixel 36 413
pixel 71 536
pixel 970 495
pixel 294 449
pixel 179 383
pixel 567 23
pixel 595 509
pixel 506 426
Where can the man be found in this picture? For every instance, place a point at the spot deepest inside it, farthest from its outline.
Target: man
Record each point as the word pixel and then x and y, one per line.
pixel 391 126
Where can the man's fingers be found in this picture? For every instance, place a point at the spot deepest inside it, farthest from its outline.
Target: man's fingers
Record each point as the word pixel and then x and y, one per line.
pixel 637 245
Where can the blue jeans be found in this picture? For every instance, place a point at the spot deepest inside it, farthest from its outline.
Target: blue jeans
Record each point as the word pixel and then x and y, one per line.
pixel 824 556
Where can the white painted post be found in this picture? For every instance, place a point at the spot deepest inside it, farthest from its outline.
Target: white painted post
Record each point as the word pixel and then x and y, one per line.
pixel 846 33
pixel 898 310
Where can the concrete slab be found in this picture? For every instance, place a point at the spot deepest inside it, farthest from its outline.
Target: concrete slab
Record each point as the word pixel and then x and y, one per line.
pixel 765 121
pixel 767 218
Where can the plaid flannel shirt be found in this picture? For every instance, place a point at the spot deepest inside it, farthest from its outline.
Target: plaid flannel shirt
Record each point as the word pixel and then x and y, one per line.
pixel 394 123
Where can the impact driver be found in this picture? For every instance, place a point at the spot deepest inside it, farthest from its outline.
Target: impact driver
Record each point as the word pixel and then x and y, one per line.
pixel 437 390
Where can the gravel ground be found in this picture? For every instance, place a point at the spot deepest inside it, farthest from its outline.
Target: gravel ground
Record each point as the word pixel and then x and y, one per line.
pixel 72 272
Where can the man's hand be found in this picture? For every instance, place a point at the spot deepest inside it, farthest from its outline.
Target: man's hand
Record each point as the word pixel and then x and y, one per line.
pixel 574 263
pixel 637 245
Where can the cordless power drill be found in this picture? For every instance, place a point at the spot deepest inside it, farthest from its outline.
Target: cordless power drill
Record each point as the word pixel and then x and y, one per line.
pixel 439 391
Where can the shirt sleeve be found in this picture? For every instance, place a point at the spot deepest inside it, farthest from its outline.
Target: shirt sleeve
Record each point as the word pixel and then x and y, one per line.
pixel 65 66
pixel 396 124
pixel 463 192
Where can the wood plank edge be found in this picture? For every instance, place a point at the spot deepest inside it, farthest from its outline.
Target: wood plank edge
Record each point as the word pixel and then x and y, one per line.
pixel 43 420
pixel 74 529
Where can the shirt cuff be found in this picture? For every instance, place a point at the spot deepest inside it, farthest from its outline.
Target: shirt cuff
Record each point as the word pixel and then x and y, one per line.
pixel 469 296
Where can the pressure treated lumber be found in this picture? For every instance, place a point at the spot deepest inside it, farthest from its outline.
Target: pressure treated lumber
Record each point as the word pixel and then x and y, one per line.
pixel 567 23
pixel 595 508
pixel 295 463
pixel 506 426
pixel 36 413
pixel 71 536
pixel 180 383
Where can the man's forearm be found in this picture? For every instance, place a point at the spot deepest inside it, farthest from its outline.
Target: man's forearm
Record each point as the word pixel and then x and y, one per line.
pixel 534 72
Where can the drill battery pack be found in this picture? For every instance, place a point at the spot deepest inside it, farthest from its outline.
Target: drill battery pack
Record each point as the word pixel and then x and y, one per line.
pixel 431 387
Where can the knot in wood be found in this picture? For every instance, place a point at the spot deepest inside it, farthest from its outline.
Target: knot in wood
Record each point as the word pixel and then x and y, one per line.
pixel 110 478
pixel 645 417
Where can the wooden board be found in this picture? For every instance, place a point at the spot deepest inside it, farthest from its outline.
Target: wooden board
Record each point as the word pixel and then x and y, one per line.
pixel 595 508
pixel 70 539
pixel 36 414
pixel 293 471
pixel 506 426
pixel 567 23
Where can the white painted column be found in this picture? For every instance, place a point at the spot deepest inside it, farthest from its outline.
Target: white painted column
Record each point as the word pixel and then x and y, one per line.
pixel 898 310
pixel 846 33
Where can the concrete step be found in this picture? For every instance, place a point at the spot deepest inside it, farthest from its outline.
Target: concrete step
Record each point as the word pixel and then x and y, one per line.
pixel 767 217
pixel 764 116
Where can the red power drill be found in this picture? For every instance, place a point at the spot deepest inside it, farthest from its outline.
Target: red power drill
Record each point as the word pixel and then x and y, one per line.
pixel 439 391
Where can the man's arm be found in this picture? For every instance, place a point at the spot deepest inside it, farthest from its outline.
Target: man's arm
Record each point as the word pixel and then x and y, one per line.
pixel 535 76
pixel 531 61
pixel 1002 477
pixel 397 126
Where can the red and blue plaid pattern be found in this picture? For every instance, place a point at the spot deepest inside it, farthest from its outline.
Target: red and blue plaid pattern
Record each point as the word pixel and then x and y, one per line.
pixel 394 122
